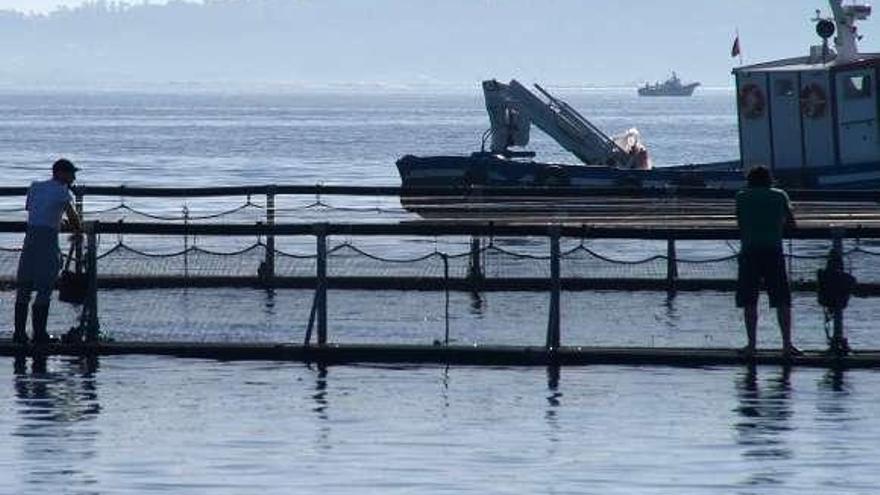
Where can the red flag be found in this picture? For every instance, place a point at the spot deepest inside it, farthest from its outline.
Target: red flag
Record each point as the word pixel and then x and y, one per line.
pixel 734 52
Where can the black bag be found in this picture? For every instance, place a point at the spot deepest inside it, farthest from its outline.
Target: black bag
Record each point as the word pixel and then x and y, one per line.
pixel 72 287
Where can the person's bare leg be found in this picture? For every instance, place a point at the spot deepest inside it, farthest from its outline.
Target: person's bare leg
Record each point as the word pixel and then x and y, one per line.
pixel 783 316
pixel 750 315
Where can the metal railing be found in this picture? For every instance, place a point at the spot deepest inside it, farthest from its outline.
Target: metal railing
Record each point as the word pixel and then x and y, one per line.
pixel 321 232
pixel 867 195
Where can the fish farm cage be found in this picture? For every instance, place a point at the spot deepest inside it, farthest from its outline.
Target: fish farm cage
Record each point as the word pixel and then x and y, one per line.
pixel 270 238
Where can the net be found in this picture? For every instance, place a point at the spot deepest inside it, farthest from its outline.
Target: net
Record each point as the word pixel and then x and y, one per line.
pixel 423 258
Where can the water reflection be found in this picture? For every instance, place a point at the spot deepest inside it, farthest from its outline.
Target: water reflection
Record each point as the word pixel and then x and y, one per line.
pixel 445 391
pixel 553 403
pixel 833 388
pixel 476 304
pixel 765 411
pixel 319 397
pixel 57 401
pixel 835 420
pixel 834 381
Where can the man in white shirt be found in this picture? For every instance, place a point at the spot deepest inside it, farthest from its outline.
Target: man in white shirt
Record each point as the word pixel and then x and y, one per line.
pixel 40 259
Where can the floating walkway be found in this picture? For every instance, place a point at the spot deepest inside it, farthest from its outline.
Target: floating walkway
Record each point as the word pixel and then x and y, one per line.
pixel 456 354
pixel 526 247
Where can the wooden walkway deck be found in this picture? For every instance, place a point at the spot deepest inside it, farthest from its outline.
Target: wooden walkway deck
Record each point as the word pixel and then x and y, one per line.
pixel 458 355
pixel 632 212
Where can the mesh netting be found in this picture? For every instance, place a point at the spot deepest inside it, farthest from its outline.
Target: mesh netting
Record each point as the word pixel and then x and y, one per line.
pixel 432 259
pixel 122 260
pixel 584 262
pixel 248 211
pixel 8 262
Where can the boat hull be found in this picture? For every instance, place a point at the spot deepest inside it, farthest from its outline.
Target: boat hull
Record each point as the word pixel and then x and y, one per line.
pixel 484 169
pixel 687 90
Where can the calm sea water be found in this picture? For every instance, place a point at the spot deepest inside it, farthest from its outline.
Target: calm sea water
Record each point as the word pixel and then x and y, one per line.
pixel 158 425
pixel 148 424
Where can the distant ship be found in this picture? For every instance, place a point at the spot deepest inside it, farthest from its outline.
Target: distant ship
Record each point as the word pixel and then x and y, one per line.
pixel 671 87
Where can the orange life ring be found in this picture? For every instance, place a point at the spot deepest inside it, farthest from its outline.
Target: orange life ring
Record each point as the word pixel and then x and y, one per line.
pixel 814 101
pixel 751 101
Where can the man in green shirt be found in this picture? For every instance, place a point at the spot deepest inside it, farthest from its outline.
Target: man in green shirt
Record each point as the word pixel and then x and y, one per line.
pixel 762 212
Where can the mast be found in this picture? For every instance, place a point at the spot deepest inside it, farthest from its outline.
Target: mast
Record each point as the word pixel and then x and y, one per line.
pixel 845 17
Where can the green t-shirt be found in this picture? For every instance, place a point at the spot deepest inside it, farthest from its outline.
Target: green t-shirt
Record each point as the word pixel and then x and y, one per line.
pixel 761 214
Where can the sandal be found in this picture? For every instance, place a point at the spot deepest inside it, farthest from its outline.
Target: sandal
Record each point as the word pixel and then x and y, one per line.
pixel 792 351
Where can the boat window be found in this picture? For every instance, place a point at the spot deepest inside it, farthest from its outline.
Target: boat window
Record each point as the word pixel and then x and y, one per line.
pixel 784 87
pixel 857 87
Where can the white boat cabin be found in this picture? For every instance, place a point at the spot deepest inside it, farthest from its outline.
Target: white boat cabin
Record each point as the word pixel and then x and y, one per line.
pixel 816 111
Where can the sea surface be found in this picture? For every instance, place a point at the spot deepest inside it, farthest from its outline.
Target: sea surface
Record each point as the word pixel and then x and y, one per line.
pixel 162 425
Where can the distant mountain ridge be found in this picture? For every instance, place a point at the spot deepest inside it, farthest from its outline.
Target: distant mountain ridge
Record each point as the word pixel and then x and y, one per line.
pixel 375 42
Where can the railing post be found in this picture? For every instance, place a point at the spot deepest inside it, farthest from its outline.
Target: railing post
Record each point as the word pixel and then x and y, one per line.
pixel 78 249
pixel 321 282
pixel 475 270
pixel 671 266
pixel 186 242
pixel 553 324
pixel 269 262
pixel 838 339
pixel 90 319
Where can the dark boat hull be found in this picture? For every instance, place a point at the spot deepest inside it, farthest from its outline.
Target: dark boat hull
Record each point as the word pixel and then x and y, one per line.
pixel 682 91
pixel 484 169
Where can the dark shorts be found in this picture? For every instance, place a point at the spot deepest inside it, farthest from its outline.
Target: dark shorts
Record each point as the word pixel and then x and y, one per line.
pixel 38 265
pixel 762 267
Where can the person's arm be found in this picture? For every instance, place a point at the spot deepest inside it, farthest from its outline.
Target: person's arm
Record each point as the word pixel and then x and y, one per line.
pixel 73 218
pixel 790 221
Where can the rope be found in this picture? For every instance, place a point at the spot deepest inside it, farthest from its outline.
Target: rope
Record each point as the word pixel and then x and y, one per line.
pixel 190 250
pixel 106 210
pixel 249 204
pixel 814 256
pixel 176 218
pixel 614 261
pixel 294 255
pixel 324 206
pixel 708 260
pixel 859 249
pixel 497 249
pixel 381 259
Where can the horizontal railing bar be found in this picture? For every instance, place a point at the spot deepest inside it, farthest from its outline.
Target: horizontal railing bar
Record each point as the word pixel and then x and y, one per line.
pixel 436 284
pixel 434 229
pixel 472 355
pixel 837 196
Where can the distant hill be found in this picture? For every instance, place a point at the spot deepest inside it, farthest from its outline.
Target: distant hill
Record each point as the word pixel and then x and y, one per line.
pixel 375 42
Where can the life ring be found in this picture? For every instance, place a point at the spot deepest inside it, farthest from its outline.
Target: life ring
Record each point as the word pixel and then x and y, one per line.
pixel 814 101
pixel 751 101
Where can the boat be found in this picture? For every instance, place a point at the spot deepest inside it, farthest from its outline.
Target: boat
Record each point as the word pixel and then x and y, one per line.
pixel 812 119
pixel 671 87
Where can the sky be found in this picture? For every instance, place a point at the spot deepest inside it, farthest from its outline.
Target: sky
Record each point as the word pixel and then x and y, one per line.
pixel 44 6
pixel 458 42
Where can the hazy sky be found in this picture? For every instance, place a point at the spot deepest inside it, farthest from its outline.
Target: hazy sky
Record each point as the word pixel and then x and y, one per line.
pixel 563 42
pixel 48 5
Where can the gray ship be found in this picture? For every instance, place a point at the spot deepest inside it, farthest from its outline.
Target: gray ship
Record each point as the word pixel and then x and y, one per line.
pixel 671 87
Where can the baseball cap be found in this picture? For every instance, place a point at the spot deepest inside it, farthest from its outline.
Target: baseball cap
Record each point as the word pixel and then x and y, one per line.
pixel 64 165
